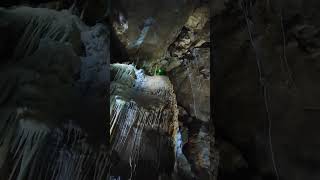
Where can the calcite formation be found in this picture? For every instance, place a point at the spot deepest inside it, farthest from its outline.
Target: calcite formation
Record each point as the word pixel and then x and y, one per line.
pixel 144 118
pixel 45 106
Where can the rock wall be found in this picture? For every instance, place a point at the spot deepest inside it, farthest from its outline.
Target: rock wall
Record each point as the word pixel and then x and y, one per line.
pixel 148 27
pixel 265 62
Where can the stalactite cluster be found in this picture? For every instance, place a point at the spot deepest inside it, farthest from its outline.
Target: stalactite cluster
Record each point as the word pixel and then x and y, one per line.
pixel 142 107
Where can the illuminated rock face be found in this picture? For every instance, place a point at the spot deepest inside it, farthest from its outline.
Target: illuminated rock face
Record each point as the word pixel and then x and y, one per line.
pixel 144 121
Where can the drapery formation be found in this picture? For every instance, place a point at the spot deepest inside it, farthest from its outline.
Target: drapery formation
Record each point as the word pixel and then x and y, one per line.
pixel 144 118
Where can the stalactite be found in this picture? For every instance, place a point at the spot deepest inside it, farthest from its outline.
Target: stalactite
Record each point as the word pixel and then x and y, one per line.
pixel 66 155
pixel 70 151
pixel 143 104
pixel 43 25
pixel 26 143
pixel 33 148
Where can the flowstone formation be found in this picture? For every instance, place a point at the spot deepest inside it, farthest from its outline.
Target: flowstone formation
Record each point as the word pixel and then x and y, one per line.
pixel 144 123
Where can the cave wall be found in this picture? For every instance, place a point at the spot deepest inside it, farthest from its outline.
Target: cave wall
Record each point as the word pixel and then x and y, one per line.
pixel 269 112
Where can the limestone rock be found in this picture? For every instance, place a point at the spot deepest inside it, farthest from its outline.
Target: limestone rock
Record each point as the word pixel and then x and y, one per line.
pixel 144 121
pixel 152 39
pixel 198 19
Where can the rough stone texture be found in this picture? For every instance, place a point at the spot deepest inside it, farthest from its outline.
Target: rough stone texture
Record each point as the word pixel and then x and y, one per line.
pixel 95 64
pixel 191 78
pixel 167 19
pixel 280 106
pixel 198 151
pixel 188 64
pixel 198 18
pixel 232 163
pixel 192 85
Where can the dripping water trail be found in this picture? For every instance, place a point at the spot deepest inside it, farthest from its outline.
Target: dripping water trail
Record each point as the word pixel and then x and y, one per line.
pixel 192 91
pixel 287 68
pixel 264 86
